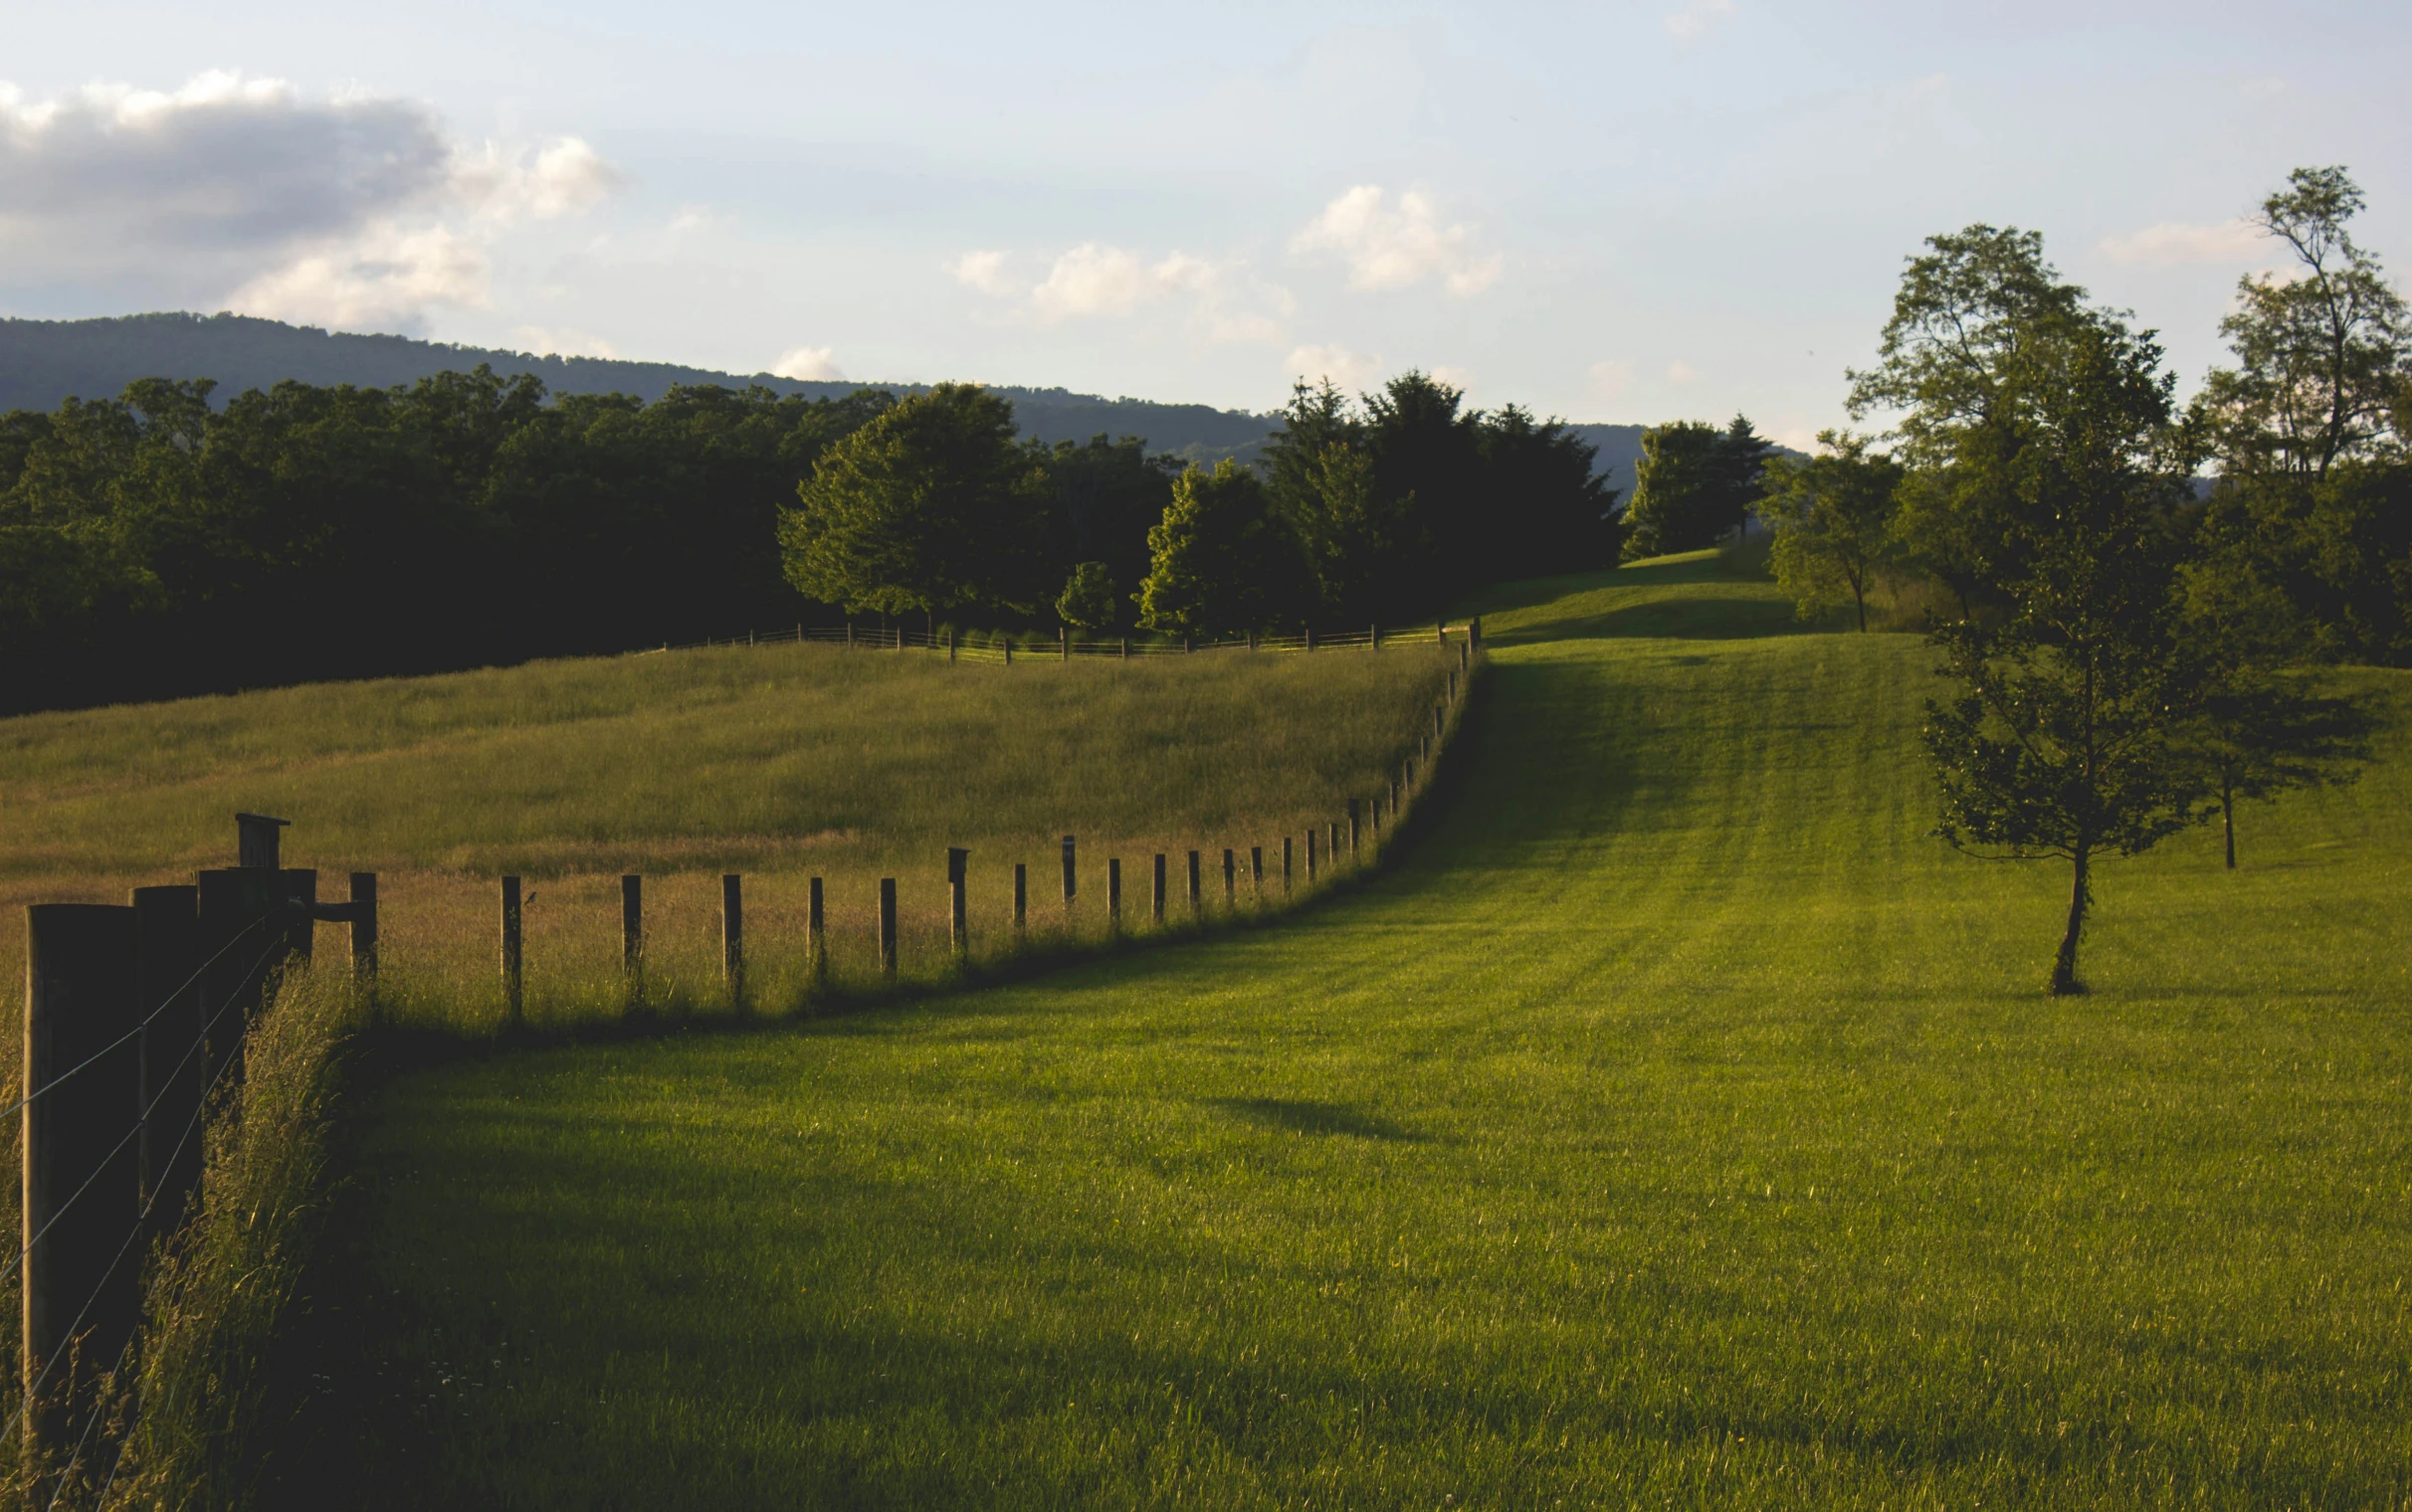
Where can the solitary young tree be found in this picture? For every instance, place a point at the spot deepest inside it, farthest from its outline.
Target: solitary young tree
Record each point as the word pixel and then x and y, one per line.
pixel 1087 600
pixel 1832 516
pixel 1223 560
pixel 2068 734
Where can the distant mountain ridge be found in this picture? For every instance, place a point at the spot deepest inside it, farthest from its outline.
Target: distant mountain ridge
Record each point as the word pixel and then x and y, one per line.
pixel 43 362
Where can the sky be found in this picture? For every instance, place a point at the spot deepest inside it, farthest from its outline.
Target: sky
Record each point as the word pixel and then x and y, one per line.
pixel 1609 213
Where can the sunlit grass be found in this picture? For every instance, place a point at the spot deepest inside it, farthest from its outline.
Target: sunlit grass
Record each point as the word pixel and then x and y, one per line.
pixel 1679 1126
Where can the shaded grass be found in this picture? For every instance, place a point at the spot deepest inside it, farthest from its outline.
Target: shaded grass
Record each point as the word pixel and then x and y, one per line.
pixel 1679 1126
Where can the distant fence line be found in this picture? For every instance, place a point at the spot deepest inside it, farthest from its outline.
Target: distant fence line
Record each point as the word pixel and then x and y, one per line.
pixel 1004 646
pixel 136 1016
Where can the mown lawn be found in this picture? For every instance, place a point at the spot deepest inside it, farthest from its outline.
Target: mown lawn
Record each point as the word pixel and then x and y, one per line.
pixel 1679 1126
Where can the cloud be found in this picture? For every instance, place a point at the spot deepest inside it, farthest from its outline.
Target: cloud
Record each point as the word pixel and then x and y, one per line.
pixel 1610 380
pixel 1354 371
pixel 1097 281
pixel 1682 373
pixel 810 364
pixel 381 278
pixel 1396 247
pixel 1455 377
pixel 1696 19
pixel 352 208
pixel 2174 242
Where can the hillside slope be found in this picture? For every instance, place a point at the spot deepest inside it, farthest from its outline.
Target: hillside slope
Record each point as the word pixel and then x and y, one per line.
pixel 1680 1125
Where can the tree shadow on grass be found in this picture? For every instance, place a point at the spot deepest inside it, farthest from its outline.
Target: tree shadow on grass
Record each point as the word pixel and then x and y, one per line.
pixel 1641 601
pixel 1300 1117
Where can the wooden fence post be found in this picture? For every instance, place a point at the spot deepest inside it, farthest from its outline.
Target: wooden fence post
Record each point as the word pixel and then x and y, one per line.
pixel 1156 898
pixel 732 939
pixel 1064 641
pixel 1452 682
pixel 1334 856
pixel 167 951
pixel 364 931
pixel 1440 715
pixel 632 939
pixel 1021 901
pixel 1311 638
pixel 511 951
pixel 1353 828
pixel 81 1295
pixel 1310 854
pixel 1375 808
pixel 1464 654
pixel 1231 878
pixel 887 928
pixel 1255 868
pixel 1197 902
pixel 950 643
pixel 1286 868
pixel 1126 647
pixel 850 634
pixel 816 937
pixel 958 914
pixel 1394 800
pixel 1009 651
pixel 1441 629
pixel 1473 633
pixel 1114 892
pixel 1071 879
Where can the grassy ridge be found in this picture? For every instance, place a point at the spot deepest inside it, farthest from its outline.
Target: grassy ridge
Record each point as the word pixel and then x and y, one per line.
pixel 780 762
pixel 1680 1126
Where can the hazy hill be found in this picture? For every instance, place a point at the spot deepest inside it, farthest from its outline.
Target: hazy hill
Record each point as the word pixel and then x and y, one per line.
pixel 44 361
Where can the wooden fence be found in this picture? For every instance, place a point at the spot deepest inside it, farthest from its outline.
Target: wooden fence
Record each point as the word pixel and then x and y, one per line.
pixel 136 1017
pixel 1005 646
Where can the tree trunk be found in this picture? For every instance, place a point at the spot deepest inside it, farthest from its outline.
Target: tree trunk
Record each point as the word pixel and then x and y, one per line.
pixel 1858 600
pixel 2063 965
pixel 2227 809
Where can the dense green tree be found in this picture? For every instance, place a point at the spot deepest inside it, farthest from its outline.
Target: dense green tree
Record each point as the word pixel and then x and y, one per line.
pixel 930 507
pixel 1089 600
pixel 1224 560
pixel 1832 516
pixel 1692 486
pixel 1108 494
pixel 1962 318
pixel 2068 733
pixel 1538 509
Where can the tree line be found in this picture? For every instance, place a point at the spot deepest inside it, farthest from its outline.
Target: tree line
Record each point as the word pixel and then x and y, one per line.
pixel 155 544
pixel 2134 596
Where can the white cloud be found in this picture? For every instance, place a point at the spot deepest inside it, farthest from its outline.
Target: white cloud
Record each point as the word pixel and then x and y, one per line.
pixel 1354 371
pixel 1696 19
pixel 983 270
pixel 1097 281
pixel 811 364
pixel 1682 373
pixel 1611 379
pixel 1455 377
pixel 2174 242
pixel 353 209
pixel 381 279
pixel 1391 247
pixel 564 343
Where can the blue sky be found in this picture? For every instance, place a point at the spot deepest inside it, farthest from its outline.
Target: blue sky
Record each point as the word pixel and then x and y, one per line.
pixel 1611 213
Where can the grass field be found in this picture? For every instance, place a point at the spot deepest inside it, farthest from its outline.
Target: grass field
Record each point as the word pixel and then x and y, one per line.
pixel 1678 1126
pixel 782 763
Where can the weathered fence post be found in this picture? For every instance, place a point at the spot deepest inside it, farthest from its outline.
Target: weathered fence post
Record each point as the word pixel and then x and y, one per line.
pixel 511 951
pixel 1071 879
pixel 732 939
pixel 1441 629
pixel 1021 901
pixel 1311 853
pixel 1009 651
pixel 1157 909
pixel 1064 641
pixel 80 1193
pixel 1286 868
pixel 1334 856
pixel 1465 654
pixel 1126 647
pixel 1440 716
pixel 958 914
pixel 632 938
pixel 1255 868
pixel 950 643
pixel 1231 878
pixel 365 930
pixel 887 928
pixel 1114 892
pixel 1197 902
pixel 1473 633
pixel 1311 638
pixel 816 936
pixel 850 634
pixel 1353 828
pixel 167 953
pixel 1453 683
pixel 1373 636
